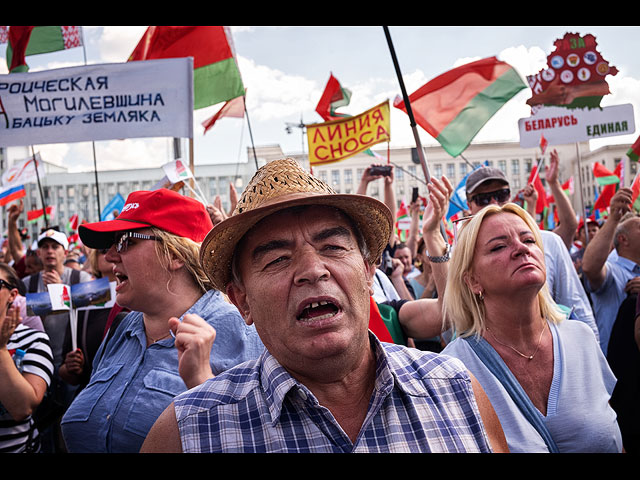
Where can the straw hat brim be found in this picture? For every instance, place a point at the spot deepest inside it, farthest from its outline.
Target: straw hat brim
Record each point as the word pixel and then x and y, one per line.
pixel 372 217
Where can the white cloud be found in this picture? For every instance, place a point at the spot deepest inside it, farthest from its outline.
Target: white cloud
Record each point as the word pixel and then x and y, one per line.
pixel 274 95
pixel 117 43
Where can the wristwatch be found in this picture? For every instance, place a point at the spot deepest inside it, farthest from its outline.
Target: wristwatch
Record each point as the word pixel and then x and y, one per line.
pixel 443 258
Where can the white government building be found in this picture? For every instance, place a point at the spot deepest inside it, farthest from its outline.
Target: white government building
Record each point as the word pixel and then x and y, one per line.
pixel 73 192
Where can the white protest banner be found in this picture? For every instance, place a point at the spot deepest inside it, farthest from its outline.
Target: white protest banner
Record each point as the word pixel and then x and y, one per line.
pixel 151 98
pixel 23 171
pixel 562 125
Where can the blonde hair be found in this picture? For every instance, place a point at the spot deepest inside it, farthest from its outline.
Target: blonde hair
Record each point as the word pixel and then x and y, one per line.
pixel 92 258
pixel 186 250
pixel 461 307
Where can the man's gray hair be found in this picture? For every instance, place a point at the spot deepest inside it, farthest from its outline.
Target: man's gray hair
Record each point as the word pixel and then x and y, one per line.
pixel 621 229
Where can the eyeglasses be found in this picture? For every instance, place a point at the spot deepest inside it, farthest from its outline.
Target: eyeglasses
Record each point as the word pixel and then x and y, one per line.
pixel 7 285
pixel 484 199
pixel 123 243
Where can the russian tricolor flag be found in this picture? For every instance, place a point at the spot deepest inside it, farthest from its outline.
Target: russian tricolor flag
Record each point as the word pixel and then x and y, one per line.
pixel 11 194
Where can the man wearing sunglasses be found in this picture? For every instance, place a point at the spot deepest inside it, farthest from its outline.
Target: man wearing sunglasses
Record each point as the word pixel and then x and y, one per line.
pixel 488 185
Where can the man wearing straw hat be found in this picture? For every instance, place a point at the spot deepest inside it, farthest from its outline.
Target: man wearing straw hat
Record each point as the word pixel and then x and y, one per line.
pixel 297 259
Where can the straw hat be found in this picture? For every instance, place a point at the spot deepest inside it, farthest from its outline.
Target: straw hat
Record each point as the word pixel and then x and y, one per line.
pixel 281 184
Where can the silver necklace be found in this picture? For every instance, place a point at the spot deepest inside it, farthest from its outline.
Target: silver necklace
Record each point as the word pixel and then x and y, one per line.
pixel 529 357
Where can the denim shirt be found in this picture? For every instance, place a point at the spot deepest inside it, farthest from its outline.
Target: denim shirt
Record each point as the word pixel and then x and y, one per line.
pixel 132 384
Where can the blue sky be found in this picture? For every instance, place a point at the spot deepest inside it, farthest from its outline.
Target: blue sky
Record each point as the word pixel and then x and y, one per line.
pixel 286 68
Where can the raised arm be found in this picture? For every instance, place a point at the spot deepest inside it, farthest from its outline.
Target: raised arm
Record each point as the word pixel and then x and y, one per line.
pixel 414 228
pixel 598 249
pixel 567 216
pixel 13 234
pixel 436 245
pixel 389 193
pixel 20 393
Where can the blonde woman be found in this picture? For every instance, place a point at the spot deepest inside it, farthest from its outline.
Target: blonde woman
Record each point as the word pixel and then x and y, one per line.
pixel 165 345
pixel 545 376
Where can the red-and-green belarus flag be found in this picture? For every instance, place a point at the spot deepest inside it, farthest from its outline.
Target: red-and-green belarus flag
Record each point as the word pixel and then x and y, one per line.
pixel 610 181
pixel 216 77
pixel 634 152
pixel 454 106
pixel 604 176
pixel 333 97
pixel 635 193
pixel 34 215
pixel 33 40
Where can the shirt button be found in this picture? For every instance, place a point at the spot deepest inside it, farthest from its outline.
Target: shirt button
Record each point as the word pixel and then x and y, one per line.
pixel 303 394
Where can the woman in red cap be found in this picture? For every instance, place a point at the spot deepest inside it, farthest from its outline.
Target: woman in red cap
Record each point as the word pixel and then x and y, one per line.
pixel 166 344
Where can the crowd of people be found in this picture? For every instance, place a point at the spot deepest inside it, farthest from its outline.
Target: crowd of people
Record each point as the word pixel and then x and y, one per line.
pixel 298 321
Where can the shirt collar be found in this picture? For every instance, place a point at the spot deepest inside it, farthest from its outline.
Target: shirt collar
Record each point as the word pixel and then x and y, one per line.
pixel 627 264
pixel 277 383
pixel 202 306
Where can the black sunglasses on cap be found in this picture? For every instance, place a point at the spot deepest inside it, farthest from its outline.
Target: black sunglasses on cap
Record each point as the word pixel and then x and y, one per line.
pixel 484 199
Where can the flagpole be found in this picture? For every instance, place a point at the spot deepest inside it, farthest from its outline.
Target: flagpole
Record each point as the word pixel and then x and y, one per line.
pixel 246 112
pixel 93 143
pixel 44 206
pixel 582 209
pixel 466 161
pixel 95 174
pixel 537 169
pixel 407 104
pixel 191 164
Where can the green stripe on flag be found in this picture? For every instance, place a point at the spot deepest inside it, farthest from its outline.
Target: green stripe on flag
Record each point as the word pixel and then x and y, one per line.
pixel 215 83
pixel 607 180
pixel 42 40
pixel 45 40
pixel 457 135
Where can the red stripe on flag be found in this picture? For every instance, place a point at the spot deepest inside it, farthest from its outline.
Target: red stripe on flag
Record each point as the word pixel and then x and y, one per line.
pixel 332 93
pixel 206 44
pixel 19 39
pixel 440 100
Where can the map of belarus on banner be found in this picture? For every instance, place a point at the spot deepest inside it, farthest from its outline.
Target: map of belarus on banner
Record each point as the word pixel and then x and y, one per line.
pixel 153 98
pixel 339 139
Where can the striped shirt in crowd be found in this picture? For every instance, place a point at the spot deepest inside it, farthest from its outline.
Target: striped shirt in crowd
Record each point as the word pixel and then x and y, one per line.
pixel 38 360
pixel 422 402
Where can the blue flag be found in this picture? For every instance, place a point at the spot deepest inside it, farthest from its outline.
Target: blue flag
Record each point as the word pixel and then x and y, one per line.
pixel 115 204
pixel 459 197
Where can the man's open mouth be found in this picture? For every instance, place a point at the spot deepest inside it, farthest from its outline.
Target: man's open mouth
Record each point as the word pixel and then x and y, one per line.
pixel 318 310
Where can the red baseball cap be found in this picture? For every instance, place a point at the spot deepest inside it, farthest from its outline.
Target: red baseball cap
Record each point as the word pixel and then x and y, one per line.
pixel 164 209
